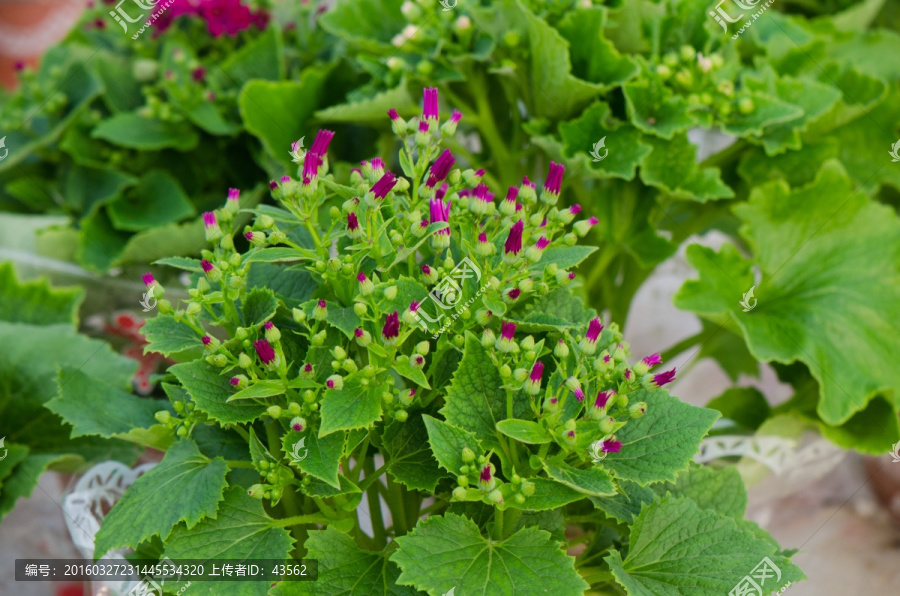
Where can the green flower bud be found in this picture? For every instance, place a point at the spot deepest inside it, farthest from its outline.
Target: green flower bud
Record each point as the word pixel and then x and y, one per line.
pixel 607 425
pixel 274 412
pixel 309 396
pixel 527 488
pixel 360 309
pixel 319 338
pixel 339 353
pixel 182 431
pixel 561 350
pixel 458 341
pixel 193 309
pixel 401 415
pixel 422 348
pixel 320 266
pixel 459 493
pixel 163 416
pixel 495 496
pixel 256 491
pixel 519 498
pixel 505 371
pixel 638 409
pixel 468 455
pixel 350 366
pixel 520 374
pixel 299 315
pixel 390 292
pixel 220 360
pixel 387 397
pixel 463 481
pixel 293 409
pixel 687 52
pixel 746 105
pixel 527 343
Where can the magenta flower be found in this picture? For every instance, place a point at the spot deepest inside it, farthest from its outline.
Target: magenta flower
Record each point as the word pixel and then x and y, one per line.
pixel 358 332
pixel 234 194
pixel 269 324
pixel 209 220
pixel 513 243
pixel 198 74
pixel 384 185
pixel 206 340
pixel 575 209
pixel 482 237
pixel 507 330
pixel 594 329
pixel 481 192
pixel 393 115
pixel 610 446
pixel 285 179
pixel 441 168
pixel 423 126
pixel 147 278
pixel 455 117
pixel 321 142
pixel 430 107
pixel 514 293
pixel 353 229
pixel 553 184
pixel 533 386
pixel 391 329
pixel 486 480
pixel 234 381
pixel 527 182
pixel 627 374
pixel 441 192
pixel 652 360
pixel 440 211
pixel 206 266
pixel 265 351
pixel 664 378
pixel 414 306
pixel 603 398
pixel 311 164
pixel 273 185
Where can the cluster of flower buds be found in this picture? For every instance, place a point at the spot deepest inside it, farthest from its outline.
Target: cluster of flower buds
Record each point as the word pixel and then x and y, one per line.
pixel 393 262
pixel 694 76
pixel 487 487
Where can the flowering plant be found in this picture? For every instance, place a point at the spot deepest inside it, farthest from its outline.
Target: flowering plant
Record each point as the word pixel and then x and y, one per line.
pixel 320 374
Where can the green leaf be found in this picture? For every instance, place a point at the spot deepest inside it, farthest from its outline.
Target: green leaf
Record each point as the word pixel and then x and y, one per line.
pixel 590 481
pixel 352 21
pixel 545 73
pixel 259 306
pixel 476 400
pixel 157 200
pixel 185 487
pixel 447 443
pixel 353 406
pixel 548 494
pixel 121 92
pixel 672 543
pixel 444 553
pixel 259 389
pixel 258 451
pixel 411 461
pixel 345 319
pixel 210 392
pixel 525 431
pixel 720 490
pixel 167 335
pixel 565 257
pixel 672 167
pixel 24 478
pixel 662 442
pixel 626 504
pixel 654 109
pixel 260 59
pixel 164 241
pixel 147 134
pixel 830 296
pixel 344 568
pixel 100 244
pixel 323 457
pixel 745 405
pixel 555 311
pixel 404 368
pixel 36 302
pixel 278 112
pixel 292 285
pixel 87 189
pixel 240 530
pixel 623 145
pixel 94 407
pixel 317 488
pixel 371 109
pixel 594 58
pixel 279 254
pixel 185 263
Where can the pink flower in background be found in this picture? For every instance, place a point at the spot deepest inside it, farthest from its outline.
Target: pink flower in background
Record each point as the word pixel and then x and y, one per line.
pixel 223 17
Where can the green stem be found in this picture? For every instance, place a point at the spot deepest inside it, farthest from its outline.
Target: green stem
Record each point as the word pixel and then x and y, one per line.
pixel 434 507
pixel 488 128
pixel 498 524
pixel 374 502
pixel 395 504
pixel 240 464
pixel 297 520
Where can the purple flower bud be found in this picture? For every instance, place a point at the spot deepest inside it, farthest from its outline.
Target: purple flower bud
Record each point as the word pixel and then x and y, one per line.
pixel 652 360
pixel 311 164
pixel 384 185
pixel 507 330
pixel 392 113
pixel 273 185
pixel 321 142
pixel 353 229
pixel 514 241
pixel 527 182
pixel 423 126
pixel 441 168
pixel 594 329
pixel 391 329
pixel 265 351
pixel 206 265
pixel 441 192
pixel 553 184
pixel 455 117
pixel 664 378
pixel 610 446
pixel 235 381
pixel 603 398
pixel 234 194
pixel 206 340
pixel 148 280
pixel 430 108
pixel 209 220
pixel 440 211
